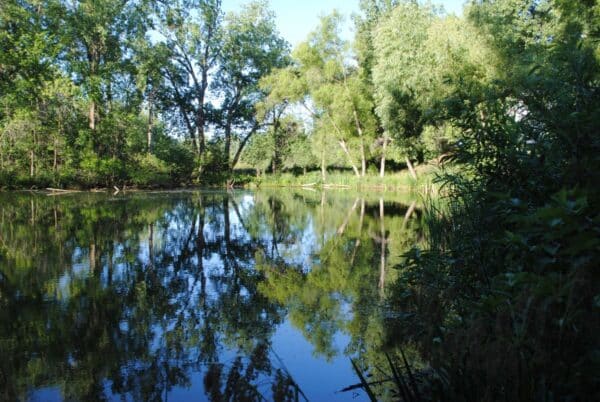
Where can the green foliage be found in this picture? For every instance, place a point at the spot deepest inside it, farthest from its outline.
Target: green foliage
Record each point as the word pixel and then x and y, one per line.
pixel 257 152
pixel 177 156
pixel 148 170
pixel 323 83
pixel 85 93
pixel 410 98
pixel 251 49
pixel 507 285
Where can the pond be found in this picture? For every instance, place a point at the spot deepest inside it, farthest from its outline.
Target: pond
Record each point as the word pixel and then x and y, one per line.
pixel 184 296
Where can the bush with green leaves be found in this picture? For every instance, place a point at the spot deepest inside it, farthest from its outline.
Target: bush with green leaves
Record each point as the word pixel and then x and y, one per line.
pixel 503 302
pixel 148 170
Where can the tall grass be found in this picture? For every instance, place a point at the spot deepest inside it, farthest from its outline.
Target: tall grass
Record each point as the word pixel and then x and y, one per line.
pixel 397 181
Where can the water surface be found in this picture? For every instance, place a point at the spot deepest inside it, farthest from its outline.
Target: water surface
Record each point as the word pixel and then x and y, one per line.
pixel 194 295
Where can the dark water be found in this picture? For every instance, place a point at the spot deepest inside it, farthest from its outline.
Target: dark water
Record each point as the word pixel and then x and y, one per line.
pixel 194 296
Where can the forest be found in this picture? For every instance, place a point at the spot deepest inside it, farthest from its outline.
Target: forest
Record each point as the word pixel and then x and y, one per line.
pixel 500 294
pixel 151 93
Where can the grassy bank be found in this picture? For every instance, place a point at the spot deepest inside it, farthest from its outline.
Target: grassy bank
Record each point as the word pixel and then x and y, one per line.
pixel 396 181
pixel 401 181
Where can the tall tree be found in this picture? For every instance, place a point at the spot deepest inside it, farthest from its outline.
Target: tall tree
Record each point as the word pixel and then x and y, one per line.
pixel 372 12
pixel 36 102
pixel 252 48
pixel 397 42
pixel 98 37
pixel 332 90
pixel 190 32
pixel 410 99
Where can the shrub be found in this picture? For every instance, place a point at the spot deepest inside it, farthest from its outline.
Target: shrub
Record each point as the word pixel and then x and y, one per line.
pixel 148 171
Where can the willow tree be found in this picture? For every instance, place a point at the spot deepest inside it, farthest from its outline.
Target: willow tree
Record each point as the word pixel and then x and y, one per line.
pixel 398 39
pixel 285 89
pixel 337 95
pixel 411 99
pixel 372 12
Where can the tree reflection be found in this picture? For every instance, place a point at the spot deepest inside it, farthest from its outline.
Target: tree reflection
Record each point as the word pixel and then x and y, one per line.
pixel 112 296
pixel 109 297
pixel 340 290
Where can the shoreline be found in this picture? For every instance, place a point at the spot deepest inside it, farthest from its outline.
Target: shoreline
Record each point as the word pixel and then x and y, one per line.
pixel 250 186
pixel 400 182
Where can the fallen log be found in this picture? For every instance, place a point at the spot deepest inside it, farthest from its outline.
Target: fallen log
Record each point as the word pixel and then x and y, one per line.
pixel 60 191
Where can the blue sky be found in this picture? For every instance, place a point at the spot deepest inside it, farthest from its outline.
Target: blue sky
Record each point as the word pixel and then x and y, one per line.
pixel 296 18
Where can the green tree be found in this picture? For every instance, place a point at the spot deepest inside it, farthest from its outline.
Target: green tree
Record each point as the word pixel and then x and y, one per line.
pixel 399 40
pixel 500 257
pixel 190 44
pixel 252 48
pixel 98 38
pixel 372 12
pixel 28 77
pixel 337 94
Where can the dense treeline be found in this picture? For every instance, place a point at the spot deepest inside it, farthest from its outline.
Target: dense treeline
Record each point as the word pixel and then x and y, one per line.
pixel 147 92
pixel 97 93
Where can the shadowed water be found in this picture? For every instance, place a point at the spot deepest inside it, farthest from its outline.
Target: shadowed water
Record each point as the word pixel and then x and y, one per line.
pixel 194 296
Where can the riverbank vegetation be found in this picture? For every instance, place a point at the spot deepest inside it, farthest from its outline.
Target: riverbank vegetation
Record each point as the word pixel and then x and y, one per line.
pixel 502 302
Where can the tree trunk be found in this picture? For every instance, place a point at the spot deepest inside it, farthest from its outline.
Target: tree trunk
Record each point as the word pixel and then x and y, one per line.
pixel 323 168
pixel 182 104
pixel 60 132
pixel 413 173
pixel 92 115
pixel 276 154
pixel 228 123
pixel 345 149
pixel 150 124
pixel 31 165
pixel 55 156
pixel 243 143
pixel 93 57
pixel 227 143
pixel 200 143
pixel 383 155
pixel 363 159
pixel 202 95
pixel 196 139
